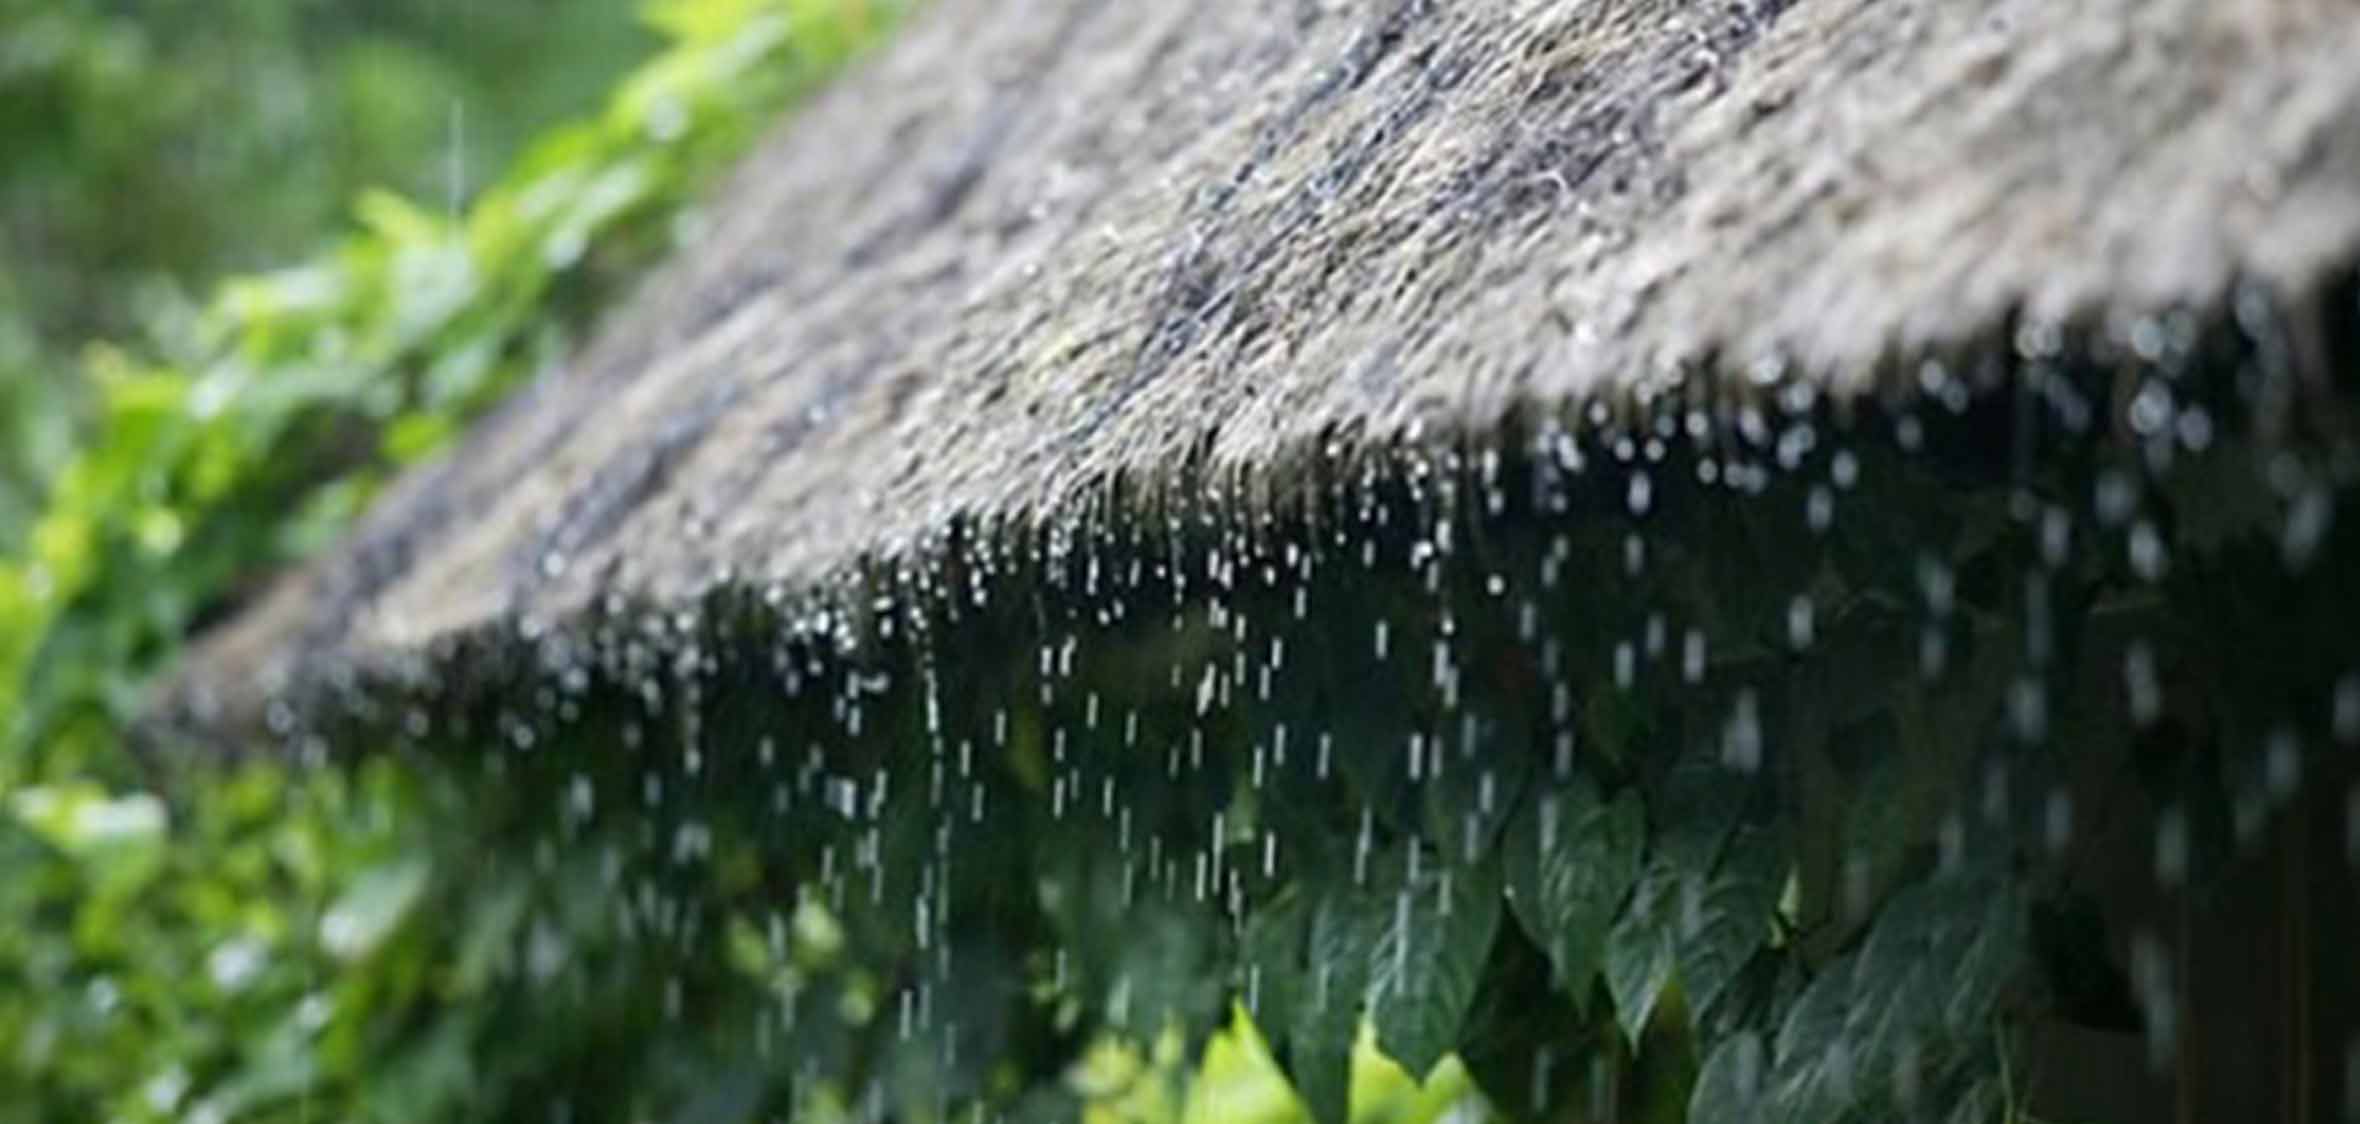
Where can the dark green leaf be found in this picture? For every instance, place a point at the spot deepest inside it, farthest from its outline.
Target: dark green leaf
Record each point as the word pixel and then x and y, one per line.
pixel 1695 807
pixel 1639 951
pixel 1572 859
pixel 1813 1060
pixel 1343 934
pixel 1525 1043
pixel 1406 947
pixel 1274 974
pixel 1723 923
pixel 1428 960
pixel 1729 1091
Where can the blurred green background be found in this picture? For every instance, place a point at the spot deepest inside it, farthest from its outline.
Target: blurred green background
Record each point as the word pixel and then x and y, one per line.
pixel 149 147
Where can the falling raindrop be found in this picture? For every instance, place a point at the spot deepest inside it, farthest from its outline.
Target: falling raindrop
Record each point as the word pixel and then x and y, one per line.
pixel 1741 745
pixel 1938 583
pixel 2151 409
pixel 2028 709
pixel 2307 522
pixel 1933 652
pixel 2282 766
pixel 1844 469
pixel 2139 679
pixel 2146 551
pixel 2151 984
pixel 2056 536
pixel 1800 623
pixel 2117 495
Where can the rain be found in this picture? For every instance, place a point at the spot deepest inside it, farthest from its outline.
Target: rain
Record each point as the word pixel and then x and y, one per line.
pixel 1311 564
pixel 1904 718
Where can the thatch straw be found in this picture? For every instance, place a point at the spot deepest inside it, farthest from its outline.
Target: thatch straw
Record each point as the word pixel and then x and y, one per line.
pixel 1031 248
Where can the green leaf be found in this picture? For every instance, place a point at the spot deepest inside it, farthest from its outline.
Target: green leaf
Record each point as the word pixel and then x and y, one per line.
pixel 1996 952
pixel 1639 955
pixel 1572 859
pixel 1729 1090
pixel 1428 961
pixel 1926 978
pixel 1406 947
pixel 1524 1042
pixel 1980 1103
pixel 1328 1017
pixel 1814 1061
pixel 1696 806
pixel 1698 931
pixel 82 820
pixel 1722 925
pixel 1272 969
pixel 376 904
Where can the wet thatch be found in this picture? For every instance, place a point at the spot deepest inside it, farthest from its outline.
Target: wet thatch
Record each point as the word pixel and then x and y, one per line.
pixel 1035 249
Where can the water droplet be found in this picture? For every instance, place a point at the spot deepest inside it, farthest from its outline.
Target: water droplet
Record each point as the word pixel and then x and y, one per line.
pixel 2056 536
pixel 2195 429
pixel 2146 550
pixel 2151 409
pixel 1938 583
pixel 1819 509
pixel 1933 652
pixel 2151 983
pixel 1909 433
pixel 2140 682
pixel 2307 522
pixel 2117 496
pixel 2282 766
pixel 2028 709
pixel 2057 820
pixel 1741 744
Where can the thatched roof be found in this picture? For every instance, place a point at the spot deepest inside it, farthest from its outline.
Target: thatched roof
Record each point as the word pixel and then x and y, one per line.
pixel 1029 249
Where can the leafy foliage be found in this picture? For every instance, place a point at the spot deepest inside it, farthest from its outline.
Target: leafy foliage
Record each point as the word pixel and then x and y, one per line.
pixel 155 146
pixel 329 944
pixel 267 425
pixel 1611 814
pixel 1572 859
